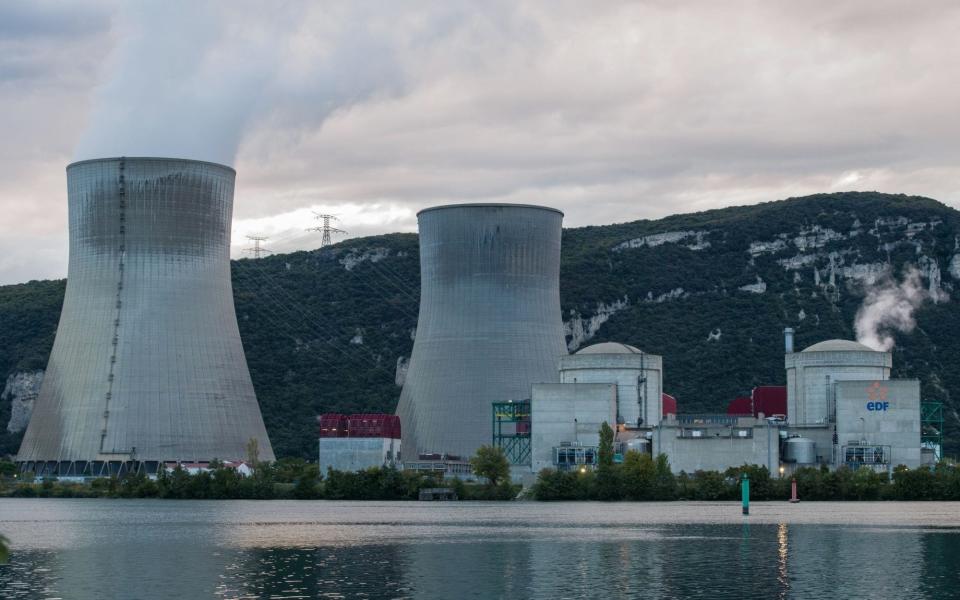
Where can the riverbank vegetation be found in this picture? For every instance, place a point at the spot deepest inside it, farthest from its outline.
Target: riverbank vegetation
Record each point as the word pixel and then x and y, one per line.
pixel 639 477
pixel 642 478
pixel 292 479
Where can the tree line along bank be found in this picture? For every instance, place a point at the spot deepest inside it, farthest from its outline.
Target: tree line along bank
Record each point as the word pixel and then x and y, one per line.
pixel 639 477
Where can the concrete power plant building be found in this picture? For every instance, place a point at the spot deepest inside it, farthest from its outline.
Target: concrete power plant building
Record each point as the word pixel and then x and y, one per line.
pixel 843 408
pixel 638 375
pixel 811 376
pixel 147 365
pixel 489 324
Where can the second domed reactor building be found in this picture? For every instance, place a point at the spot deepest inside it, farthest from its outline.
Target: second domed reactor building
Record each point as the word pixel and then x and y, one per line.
pixel 147 365
pixel 489 324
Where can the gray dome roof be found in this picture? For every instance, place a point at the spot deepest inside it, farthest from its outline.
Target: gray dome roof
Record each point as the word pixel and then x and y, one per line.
pixel 610 348
pixel 839 346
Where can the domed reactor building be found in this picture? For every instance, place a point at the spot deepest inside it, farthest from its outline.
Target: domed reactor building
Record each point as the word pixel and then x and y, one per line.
pixel 147 366
pixel 489 324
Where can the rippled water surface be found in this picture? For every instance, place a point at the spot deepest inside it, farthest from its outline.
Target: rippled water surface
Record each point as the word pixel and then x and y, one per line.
pixel 243 549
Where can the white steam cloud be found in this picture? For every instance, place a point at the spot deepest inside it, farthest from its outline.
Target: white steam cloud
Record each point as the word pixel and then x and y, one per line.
pixel 193 80
pixel 889 307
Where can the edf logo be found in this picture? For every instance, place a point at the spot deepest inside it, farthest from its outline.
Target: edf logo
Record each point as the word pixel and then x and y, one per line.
pixel 877 394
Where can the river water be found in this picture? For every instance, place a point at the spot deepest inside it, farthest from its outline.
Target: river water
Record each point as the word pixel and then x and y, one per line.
pixel 132 549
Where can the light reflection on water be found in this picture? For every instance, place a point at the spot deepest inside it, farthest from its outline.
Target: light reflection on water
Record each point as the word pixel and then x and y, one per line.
pixel 238 549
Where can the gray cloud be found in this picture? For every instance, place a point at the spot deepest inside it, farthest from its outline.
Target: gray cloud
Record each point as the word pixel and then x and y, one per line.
pixel 48 19
pixel 609 111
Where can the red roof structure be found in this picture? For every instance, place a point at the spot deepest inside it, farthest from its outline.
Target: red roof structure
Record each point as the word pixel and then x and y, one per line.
pixel 669 405
pixel 767 399
pixel 770 400
pixel 361 425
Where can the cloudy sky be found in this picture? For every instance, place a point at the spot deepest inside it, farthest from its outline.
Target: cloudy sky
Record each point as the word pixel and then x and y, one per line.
pixel 373 110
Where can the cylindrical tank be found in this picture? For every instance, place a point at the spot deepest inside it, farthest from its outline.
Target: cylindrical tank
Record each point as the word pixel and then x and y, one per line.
pixel 489 324
pixel 147 364
pixel 800 450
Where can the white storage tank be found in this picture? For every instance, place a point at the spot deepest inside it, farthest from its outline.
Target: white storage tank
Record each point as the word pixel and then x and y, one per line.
pixel 800 450
pixel 638 376
pixel 812 373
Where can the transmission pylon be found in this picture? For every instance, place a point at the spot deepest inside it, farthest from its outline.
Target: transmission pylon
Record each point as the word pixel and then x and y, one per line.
pixel 326 228
pixel 257 250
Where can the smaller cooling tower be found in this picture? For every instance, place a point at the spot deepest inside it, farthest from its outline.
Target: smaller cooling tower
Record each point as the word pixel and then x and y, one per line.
pixel 147 365
pixel 489 324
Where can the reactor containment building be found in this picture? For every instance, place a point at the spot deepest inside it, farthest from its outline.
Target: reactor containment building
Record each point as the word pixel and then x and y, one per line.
pixel 147 366
pixel 489 324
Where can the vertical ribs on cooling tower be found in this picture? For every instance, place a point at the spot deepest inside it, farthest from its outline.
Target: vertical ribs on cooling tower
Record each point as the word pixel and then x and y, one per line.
pixel 147 365
pixel 489 325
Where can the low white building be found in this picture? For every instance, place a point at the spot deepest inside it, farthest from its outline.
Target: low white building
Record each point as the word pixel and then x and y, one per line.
pixel 357 453
pixel 717 442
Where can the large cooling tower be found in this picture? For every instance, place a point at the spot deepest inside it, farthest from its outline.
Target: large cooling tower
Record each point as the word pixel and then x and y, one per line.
pixel 147 364
pixel 489 324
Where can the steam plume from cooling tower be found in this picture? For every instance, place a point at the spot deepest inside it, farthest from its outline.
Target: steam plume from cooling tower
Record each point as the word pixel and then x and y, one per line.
pixel 888 307
pixel 195 79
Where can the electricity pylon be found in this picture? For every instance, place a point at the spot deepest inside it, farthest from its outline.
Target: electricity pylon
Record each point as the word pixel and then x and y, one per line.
pixel 326 228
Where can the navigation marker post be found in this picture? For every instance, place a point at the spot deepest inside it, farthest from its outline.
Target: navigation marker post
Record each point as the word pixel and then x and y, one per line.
pixel 745 493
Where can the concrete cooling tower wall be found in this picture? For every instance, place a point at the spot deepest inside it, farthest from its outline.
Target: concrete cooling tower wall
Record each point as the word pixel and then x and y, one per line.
pixel 147 365
pixel 489 324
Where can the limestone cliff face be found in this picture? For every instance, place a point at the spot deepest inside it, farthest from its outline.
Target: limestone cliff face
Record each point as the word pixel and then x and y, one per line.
pixel 581 328
pixel 20 391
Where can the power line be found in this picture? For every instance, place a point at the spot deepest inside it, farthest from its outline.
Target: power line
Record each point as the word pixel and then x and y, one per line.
pixel 379 292
pixel 326 228
pixel 257 249
pixel 291 307
pixel 394 280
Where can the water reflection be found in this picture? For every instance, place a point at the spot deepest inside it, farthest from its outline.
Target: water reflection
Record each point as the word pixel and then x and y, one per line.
pixel 783 556
pixel 849 560
pixel 342 572
pixel 321 550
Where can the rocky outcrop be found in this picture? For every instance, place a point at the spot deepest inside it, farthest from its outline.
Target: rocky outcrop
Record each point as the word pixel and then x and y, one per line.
pixel 400 375
pixel 699 241
pixel 760 248
pixel 355 257
pixel 931 272
pixel 816 237
pixel 357 339
pixel 756 288
pixel 20 391
pixel 673 294
pixel 579 329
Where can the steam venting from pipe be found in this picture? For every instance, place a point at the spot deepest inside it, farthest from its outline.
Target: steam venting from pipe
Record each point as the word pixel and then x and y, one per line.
pixel 889 307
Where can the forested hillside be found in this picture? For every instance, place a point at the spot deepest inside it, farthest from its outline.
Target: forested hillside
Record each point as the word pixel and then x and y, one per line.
pixel 331 330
